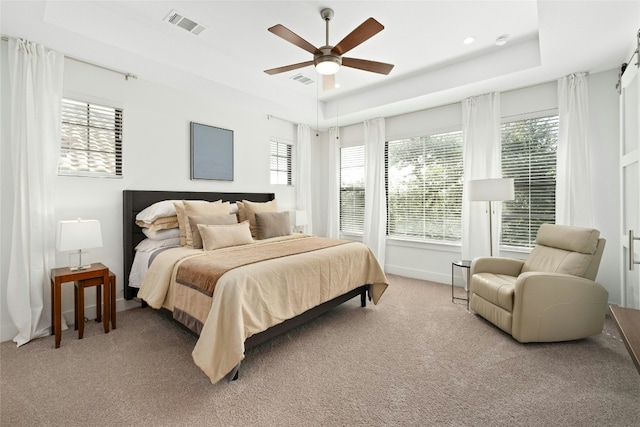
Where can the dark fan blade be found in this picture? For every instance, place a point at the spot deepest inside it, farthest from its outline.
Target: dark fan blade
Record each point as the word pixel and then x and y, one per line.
pixel 364 32
pixel 282 31
pixel 363 64
pixel 288 67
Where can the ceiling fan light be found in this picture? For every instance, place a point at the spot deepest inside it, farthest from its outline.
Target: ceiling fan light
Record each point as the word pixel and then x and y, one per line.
pixel 327 65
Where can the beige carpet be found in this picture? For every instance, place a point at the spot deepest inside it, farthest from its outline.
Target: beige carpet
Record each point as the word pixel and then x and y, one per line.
pixel 414 359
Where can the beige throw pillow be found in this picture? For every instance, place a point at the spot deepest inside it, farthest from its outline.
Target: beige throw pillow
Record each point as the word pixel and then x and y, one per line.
pixel 224 236
pixel 251 208
pixel 273 224
pixel 201 208
pixel 181 225
pixel 207 220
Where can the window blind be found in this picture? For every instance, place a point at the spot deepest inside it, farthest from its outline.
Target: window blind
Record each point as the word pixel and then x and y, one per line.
pixel 91 140
pixel 529 153
pixel 281 160
pixel 424 187
pixel 352 189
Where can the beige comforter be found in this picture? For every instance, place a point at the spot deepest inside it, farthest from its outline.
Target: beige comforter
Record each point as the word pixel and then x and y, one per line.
pixel 252 298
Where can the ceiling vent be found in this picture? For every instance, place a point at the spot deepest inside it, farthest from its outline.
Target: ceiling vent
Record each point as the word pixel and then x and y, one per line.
pixel 179 20
pixel 302 79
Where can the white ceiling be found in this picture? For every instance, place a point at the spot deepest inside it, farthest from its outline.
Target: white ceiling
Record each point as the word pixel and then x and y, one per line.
pixel 548 39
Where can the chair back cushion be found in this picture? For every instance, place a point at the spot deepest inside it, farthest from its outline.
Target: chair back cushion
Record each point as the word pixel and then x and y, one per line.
pixel 564 249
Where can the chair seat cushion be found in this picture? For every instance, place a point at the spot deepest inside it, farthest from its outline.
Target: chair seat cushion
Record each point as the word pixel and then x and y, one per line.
pixel 494 288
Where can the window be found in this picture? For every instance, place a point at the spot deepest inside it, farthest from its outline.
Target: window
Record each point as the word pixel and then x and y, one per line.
pixel 424 187
pixel 91 137
pixel 352 189
pixel 281 163
pixel 529 151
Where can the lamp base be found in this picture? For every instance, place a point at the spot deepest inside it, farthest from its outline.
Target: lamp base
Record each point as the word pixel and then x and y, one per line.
pixel 80 267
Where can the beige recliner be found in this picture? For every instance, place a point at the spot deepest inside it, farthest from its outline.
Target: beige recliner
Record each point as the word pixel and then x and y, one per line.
pixel 550 296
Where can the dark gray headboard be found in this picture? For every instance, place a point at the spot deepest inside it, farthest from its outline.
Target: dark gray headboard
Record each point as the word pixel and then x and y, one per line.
pixel 135 201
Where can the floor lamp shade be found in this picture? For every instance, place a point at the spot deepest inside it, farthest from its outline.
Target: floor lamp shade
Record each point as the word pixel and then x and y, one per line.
pixel 491 190
pixel 79 234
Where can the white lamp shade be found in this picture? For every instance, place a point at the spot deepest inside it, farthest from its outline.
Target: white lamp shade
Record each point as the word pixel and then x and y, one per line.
pixel 493 190
pixel 298 218
pixel 78 234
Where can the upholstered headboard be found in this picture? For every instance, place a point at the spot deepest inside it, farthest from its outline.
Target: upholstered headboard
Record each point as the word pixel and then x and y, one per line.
pixel 135 201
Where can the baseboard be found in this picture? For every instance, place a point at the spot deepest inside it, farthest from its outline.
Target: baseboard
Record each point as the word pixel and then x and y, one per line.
pixel 418 274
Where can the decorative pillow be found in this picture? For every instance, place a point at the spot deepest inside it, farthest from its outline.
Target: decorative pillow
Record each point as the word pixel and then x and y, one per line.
pixel 224 236
pixel 273 224
pixel 201 208
pixel 179 206
pixel 162 234
pixel 147 245
pixel 207 220
pixel 156 210
pixel 162 223
pixel 251 208
pixel 242 215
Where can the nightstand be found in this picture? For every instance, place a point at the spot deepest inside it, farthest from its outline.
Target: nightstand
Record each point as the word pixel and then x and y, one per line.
pixel 78 301
pixel 462 264
pixel 65 275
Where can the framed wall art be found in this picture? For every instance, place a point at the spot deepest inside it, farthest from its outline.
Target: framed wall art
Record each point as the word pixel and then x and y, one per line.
pixel 211 152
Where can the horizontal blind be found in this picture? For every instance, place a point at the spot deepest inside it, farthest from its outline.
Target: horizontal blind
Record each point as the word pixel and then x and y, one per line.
pixel 281 160
pixel 91 140
pixel 529 153
pixel 352 189
pixel 424 187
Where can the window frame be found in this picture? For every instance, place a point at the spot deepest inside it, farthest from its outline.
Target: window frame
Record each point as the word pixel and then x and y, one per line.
pixel 288 158
pixel 432 132
pixel 552 112
pixel 118 133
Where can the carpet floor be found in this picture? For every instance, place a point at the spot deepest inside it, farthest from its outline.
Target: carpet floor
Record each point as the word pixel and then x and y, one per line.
pixel 415 359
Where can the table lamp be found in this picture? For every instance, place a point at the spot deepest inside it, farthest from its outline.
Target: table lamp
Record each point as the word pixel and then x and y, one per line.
pixel 298 220
pixel 76 235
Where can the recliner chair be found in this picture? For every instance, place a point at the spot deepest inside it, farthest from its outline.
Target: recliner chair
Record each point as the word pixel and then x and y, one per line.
pixel 550 296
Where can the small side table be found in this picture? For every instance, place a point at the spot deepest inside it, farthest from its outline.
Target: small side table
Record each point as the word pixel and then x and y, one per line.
pixel 64 275
pixel 461 264
pixel 109 304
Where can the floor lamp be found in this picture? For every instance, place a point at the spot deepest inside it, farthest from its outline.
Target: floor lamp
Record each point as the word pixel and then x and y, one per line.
pixel 491 190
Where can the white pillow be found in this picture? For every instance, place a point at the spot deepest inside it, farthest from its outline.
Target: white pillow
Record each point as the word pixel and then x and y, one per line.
pixel 156 210
pixel 161 234
pixel 148 245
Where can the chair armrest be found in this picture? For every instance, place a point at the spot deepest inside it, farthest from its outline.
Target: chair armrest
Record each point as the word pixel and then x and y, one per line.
pixel 557 307
pixel 497 265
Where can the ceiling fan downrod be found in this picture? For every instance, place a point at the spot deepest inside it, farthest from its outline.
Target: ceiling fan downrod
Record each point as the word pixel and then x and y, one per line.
pixel 327 15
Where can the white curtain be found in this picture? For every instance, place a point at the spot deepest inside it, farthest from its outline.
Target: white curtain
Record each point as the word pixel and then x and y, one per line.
pixel 333 203
pixel 375 201
pixel 573 196
pixel 481 159
pixel 35 76
pixel 303 174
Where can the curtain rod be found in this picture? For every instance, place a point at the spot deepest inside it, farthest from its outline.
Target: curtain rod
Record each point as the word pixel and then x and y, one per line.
pixel 126 75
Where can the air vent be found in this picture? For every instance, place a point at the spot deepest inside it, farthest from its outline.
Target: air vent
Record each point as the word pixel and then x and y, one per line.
pixel 302 79
pixel 179 20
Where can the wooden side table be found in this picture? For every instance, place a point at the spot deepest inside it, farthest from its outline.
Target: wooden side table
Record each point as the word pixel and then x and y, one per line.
pixel 64 275
pixel 109 304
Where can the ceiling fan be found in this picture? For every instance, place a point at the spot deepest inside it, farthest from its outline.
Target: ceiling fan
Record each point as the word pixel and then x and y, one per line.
pixel 328 59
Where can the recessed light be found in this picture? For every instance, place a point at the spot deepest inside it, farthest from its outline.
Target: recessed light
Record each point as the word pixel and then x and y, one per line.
pixel 469 40
pixel 502 40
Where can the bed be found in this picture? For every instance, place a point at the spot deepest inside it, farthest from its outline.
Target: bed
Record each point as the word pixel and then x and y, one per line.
pixel 250 301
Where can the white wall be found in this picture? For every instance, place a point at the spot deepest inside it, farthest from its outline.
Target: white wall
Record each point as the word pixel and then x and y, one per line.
pixel 156 151
pixel 433 261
